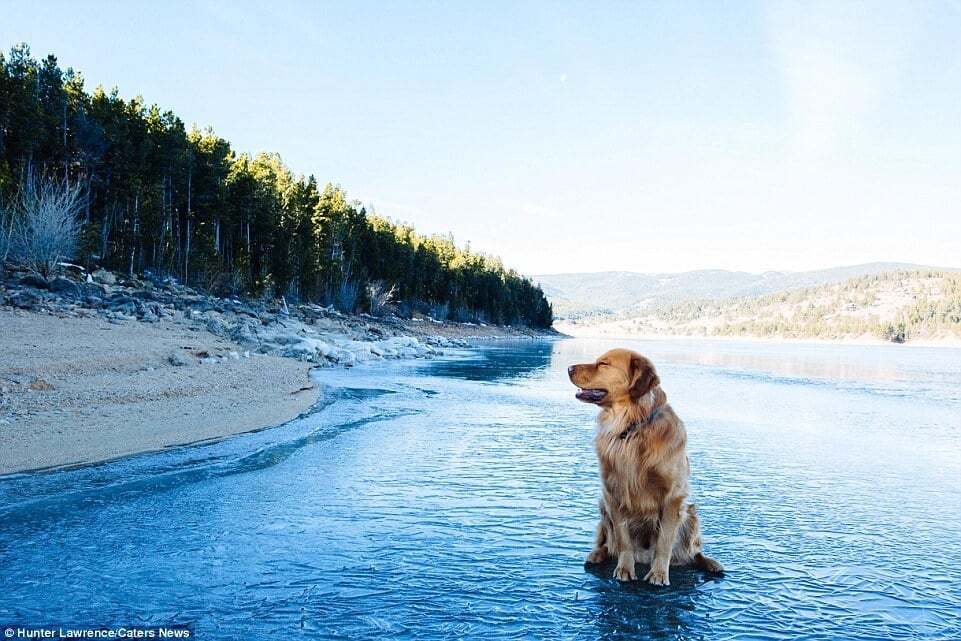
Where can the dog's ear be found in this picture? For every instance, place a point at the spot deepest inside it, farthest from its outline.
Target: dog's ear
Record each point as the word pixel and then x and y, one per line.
pixel 643 377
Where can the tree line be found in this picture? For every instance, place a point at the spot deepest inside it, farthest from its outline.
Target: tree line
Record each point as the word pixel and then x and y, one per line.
pixel 897 306
pixel 169 201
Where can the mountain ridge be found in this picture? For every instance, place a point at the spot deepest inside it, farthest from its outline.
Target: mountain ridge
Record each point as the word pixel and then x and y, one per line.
pixel 579 295
pixel 896 306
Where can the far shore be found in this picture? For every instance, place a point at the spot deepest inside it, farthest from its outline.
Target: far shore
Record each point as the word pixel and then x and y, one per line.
pixel 587 331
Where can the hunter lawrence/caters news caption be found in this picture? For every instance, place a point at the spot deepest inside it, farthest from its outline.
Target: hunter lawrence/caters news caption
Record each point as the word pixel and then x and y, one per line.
pixel 80 632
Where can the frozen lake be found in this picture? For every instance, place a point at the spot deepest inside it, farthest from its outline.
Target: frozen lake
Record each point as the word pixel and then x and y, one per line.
pixel 457 499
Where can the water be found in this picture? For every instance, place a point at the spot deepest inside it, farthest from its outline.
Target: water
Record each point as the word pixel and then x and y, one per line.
pixel 457 499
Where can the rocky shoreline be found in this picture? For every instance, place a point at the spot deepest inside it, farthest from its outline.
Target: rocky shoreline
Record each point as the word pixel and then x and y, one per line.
pixel 100 366
pixel 312 333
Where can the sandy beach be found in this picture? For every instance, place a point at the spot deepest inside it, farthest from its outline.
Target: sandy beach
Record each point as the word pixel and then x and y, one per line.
pixel 79 390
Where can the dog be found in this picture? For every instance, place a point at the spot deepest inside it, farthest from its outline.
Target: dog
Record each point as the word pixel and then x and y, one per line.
pixel 640 442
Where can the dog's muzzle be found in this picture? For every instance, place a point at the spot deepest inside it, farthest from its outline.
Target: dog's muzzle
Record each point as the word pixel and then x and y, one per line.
pixel 590 395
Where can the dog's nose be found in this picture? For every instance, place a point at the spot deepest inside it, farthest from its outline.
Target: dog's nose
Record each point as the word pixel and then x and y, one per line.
pixel 570 370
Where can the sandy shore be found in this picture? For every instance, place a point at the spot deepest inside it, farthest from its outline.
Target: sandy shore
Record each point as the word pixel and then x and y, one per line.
pixel 92 369
pixel 79 390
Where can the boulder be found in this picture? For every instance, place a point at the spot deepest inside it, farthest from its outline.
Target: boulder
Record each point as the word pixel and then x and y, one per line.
pixel 242 333
pixel 65 286
pixel 177 359
pixel 104 277
pixel 198 305
pixel 217 327
pixel 301 352
pixel 343 357
pixel 144 294
pixel 126 309
pixel 24 299
pixel 119 300
pixel 95 289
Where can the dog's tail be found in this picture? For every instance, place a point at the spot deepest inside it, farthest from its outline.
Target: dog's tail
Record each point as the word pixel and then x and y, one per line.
pixel 706 563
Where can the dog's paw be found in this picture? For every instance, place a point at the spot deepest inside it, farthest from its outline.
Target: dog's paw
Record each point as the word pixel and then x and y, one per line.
pixel 625 572
pixel 597 556
pixel 710 565
pixel 657 576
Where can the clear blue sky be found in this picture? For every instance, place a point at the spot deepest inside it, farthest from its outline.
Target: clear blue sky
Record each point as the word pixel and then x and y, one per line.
pixel 573 137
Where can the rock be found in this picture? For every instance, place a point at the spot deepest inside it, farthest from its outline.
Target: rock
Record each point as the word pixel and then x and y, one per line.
pixel 301 352
pixel 145 294
pixel 217 327
pixel 309 349
pixel 234 355
pixel 400 341
pixel 343 357
pixel 149 312
pixel 362 351
pixel 118 300
pixel 65 286
pixel 177 359
pixel 24 299
pixel 242 333
pixel 201 305
pixel 104 277
pixel 127 310
pixel 95 289
pixel 35 280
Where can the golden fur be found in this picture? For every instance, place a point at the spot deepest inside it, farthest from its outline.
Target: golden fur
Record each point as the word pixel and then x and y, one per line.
pixel 645 515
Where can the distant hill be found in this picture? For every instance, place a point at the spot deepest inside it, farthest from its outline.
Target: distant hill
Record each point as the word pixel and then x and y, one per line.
pixel 619 294
pixel 898 306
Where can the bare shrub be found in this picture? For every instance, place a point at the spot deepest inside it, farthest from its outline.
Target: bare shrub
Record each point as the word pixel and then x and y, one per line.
pixel 45 229
pixel 382 298
pixel 440 311
pixel 461 315
pixel 6 233
pixel 223 283
pixel 345 296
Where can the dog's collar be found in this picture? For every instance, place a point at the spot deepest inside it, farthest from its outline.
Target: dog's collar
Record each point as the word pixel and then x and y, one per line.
pixel 637 425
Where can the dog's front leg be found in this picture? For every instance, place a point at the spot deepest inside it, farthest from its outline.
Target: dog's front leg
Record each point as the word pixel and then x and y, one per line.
pixel 625 551
pixel 667 533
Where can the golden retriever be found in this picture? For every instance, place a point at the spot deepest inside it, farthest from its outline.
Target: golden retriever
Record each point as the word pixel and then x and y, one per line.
pixel 645 515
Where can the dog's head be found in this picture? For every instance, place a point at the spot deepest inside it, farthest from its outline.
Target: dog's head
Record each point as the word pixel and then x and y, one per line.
pixel 616 377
